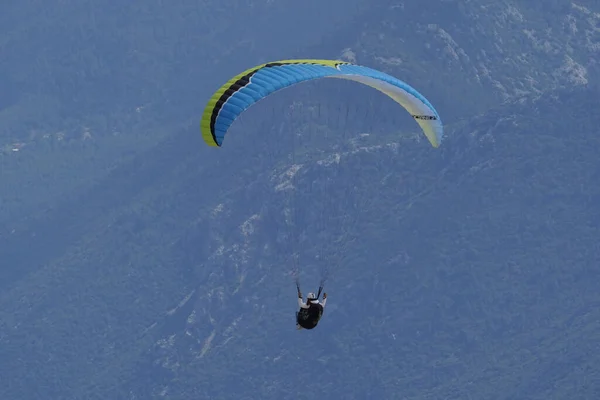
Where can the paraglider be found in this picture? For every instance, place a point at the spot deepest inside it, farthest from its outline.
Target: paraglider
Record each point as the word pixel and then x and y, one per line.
pixel 310 313
pixel 254 84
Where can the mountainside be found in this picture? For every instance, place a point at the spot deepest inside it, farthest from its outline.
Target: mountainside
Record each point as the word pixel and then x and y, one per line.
pixel 86 86
pixel 503 307
pixel 137 263
pixel 490 51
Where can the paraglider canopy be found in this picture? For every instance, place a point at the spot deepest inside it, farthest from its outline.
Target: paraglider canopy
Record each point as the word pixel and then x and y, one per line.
pixel 256 83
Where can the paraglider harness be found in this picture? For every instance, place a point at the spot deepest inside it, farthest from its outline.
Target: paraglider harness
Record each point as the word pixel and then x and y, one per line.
pixel 308 318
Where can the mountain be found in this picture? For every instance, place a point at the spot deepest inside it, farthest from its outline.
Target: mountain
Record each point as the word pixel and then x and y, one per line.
pixel 116 79
pixel 144 265
pixel 474 272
